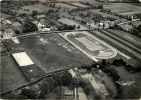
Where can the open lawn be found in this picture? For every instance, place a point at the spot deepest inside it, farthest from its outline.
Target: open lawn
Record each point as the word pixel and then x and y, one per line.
pixel 80 5
pixel 38 7
pixel 123 8
pixel 10 75
pixel 49 52
pixel 63 5
pixel 71 22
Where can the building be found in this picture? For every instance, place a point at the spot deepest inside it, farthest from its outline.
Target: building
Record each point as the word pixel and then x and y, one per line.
pixel 43 26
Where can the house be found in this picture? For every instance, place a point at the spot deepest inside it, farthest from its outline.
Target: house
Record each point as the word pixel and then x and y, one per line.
pixel 126 27
pixel 43 26
pixel 8 33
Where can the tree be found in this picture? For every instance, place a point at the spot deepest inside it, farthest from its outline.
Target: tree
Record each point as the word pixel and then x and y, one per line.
pixel 137 31
pixel 28 26
pixel 134 1
pixel 119 62
pixel 139 28
pixel 34 13
pixel 28 93
pixel 46 86
pixel 22 15
pixel 66 79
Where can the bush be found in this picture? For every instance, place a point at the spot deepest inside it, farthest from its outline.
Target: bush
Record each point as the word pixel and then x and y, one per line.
pixel 28 26
pixel 119 62
pixel 28 93
pixel 132 69
pixel 34 13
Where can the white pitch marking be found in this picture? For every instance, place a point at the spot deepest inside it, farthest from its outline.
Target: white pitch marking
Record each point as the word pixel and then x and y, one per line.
pixel 121 53
pixel 99 40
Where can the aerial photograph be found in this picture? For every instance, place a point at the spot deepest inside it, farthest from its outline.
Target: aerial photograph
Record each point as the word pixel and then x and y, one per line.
pixel 70 49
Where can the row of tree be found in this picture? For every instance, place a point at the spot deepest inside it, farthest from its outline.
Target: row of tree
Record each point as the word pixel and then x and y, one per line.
pixel 137 31
pixel 45 86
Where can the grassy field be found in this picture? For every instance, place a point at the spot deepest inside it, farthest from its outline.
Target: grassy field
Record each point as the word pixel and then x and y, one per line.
pixel 10 77
pixel 38 7
pixel 49 52
pixel 123 8
pixel 63 5
pixel 80 5
pixel 71 22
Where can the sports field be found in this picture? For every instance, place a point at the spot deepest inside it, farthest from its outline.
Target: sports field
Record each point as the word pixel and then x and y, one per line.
pixel 123 8
pixel 49 53
pixel 90 45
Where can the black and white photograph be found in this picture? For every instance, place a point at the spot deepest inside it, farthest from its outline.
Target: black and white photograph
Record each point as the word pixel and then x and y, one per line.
pixel 70 49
